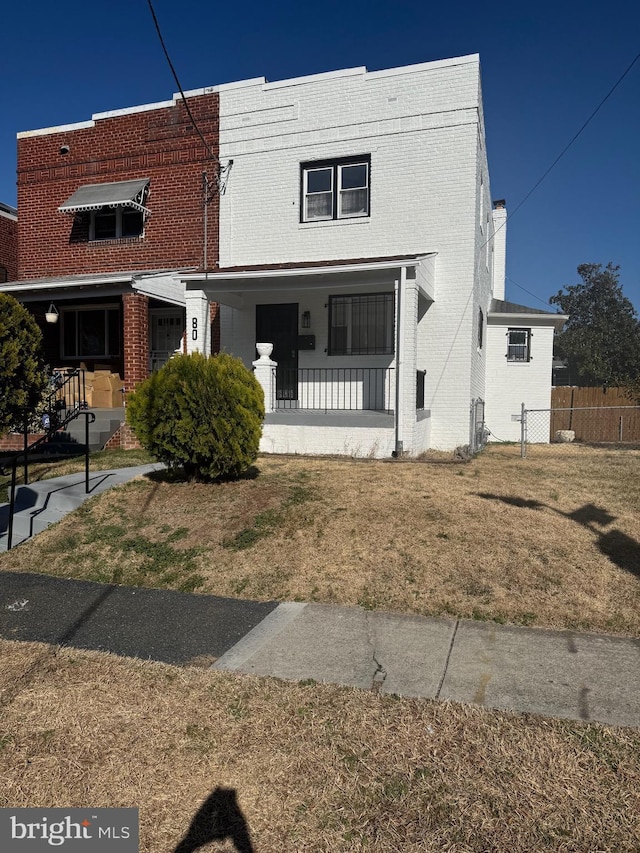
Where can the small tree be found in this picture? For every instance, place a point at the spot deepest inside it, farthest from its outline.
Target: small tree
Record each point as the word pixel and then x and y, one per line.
pixel 203 415
pixel 601 339
pixel 22 374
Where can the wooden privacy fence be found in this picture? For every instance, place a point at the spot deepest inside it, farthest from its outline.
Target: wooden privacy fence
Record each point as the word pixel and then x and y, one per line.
pixel 595 414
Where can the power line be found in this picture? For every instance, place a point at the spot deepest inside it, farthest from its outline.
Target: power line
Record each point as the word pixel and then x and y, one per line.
pixel 576 135
pixel 180 89
pixel 542 302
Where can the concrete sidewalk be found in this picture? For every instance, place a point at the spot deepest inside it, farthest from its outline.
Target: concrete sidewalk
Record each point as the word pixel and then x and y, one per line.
pixel 557 673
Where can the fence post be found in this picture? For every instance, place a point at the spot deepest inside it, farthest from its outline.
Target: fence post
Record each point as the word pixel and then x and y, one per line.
pixel 523 429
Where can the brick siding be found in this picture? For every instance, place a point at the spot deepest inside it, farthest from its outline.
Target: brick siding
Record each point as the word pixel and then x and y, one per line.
pixel 160 144
pixel 8 248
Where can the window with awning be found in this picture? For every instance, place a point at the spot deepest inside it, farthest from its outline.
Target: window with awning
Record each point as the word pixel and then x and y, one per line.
pixel 115 210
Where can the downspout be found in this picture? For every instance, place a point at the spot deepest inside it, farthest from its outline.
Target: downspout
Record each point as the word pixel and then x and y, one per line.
pixel 399 288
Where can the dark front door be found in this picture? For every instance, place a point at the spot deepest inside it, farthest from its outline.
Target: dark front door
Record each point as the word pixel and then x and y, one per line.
pixel 278 325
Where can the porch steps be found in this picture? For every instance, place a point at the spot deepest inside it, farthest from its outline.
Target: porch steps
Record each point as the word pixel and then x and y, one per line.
pixel 71 440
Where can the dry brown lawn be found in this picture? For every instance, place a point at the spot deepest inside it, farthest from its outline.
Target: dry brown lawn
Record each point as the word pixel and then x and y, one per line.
pixel 552 540
pixel 315 767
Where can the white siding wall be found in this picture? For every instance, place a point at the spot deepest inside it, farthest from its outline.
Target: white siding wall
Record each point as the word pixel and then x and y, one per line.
pixel 420 125
pixel 509 384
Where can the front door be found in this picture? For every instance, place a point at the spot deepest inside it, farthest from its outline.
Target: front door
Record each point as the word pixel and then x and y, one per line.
pixel 167 329
pixel 278 325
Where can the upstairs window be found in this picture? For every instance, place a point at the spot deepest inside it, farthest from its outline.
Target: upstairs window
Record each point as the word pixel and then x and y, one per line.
pixel 112 211
pixel 361 325
pixel 480 328
pixel 110 223
pixel 335 189
pixel 519 345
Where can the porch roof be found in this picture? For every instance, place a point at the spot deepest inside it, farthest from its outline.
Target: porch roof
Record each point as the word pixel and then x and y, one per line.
pixel 502 311
pixel 160 284
pixel 308 274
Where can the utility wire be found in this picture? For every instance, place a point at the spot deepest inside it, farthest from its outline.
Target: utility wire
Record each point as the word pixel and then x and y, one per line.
pixel 555 162
pixel 180 89
pixel 576 135
pixel 542 302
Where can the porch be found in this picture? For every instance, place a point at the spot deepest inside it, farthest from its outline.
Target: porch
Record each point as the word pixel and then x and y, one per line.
pixel 341 364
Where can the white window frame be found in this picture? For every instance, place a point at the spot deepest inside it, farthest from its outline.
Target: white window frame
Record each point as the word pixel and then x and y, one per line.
pixel 336 167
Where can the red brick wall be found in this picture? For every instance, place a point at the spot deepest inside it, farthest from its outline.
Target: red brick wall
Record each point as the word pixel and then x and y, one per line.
pixel 8 248
pixel 123 439
pixel 159 144
pixel 135 321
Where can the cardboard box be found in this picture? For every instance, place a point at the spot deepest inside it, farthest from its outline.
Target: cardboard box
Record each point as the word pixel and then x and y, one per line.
pixel 105 390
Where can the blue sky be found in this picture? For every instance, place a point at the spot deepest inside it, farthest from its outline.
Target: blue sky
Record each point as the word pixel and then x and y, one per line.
pixel 545 68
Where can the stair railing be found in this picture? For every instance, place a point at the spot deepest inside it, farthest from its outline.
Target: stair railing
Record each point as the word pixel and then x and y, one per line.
pixel 64 403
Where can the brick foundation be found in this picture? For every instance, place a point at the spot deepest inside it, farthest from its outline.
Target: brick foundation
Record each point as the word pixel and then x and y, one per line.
pixel 123 439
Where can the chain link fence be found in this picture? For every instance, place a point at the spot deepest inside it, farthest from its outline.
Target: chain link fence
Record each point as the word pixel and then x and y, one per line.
pixel 478 432
pixel 613 425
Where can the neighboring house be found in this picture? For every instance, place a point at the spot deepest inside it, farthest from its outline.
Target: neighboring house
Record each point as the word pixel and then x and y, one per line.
pixel 357 236
pixel 8 242
pixel 353 232
pixel 110 210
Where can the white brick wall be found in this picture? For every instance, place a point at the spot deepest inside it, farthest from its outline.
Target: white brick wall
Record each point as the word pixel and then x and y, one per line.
pixel 422 127
pixel 509 384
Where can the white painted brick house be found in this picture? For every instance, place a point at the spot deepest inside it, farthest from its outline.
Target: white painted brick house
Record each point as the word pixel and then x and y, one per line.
pixel 357 236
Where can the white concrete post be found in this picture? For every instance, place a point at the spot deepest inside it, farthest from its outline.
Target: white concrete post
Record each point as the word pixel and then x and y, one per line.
pixel 198 322
pixel 407 359
pixel 265 371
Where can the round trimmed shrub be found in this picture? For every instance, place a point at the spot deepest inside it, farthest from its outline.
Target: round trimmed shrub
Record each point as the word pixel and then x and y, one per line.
pixel 22 375
pixel 200 414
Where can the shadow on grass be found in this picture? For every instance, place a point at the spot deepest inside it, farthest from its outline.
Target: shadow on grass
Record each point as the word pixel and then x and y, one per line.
pixel 177 475
pixel 616 546
pixel 217 819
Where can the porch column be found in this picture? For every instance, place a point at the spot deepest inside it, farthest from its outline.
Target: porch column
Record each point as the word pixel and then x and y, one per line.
pixel 198 322
pixel 265 371
pixel 406 361
pixel 135 322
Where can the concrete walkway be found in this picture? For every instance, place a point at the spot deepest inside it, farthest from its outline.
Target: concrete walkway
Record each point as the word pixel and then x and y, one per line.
pixel 46 501
pixel 558 673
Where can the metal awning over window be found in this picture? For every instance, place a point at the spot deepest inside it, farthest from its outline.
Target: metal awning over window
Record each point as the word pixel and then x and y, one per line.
pixel 120 194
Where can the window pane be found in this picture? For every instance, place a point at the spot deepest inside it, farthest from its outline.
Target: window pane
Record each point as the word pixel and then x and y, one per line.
pixel 362 325
pixel 113 325
pixel 319 206
pixel 354 203
pixel 131 222
pixel 91 333
pixel 105 225
pixel 69 348
pixel 353 177
pixel 319 180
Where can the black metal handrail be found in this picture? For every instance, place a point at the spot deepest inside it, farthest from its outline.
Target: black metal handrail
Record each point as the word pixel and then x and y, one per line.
pixel 64 402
